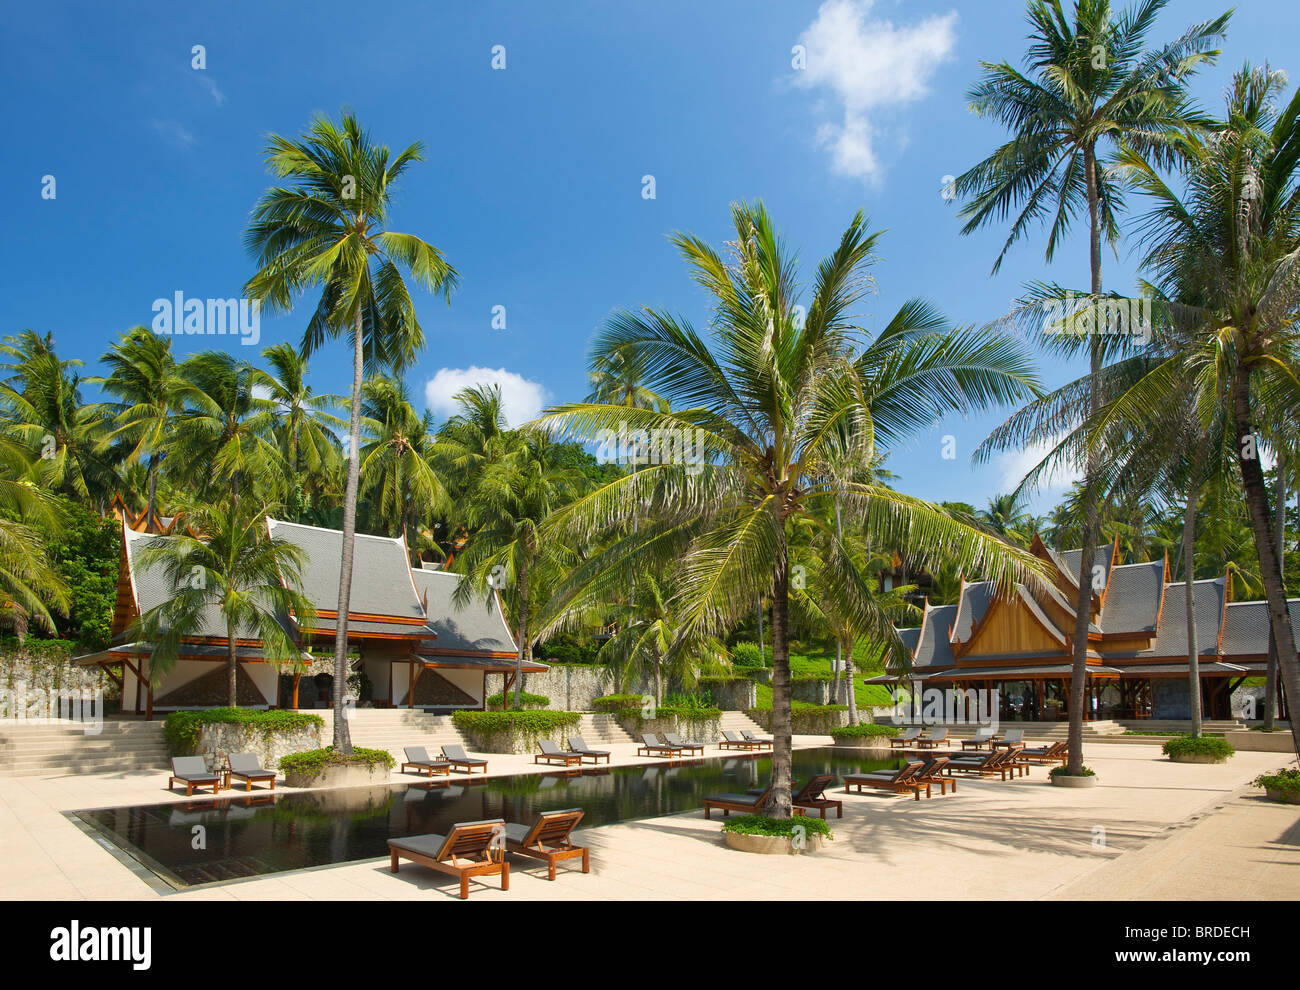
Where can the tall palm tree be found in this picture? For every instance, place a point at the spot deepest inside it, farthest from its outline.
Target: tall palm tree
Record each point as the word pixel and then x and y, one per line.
pixel 236 577
pixel 327 230
pixel 1006 516
pixel 302 424
pixel 41 409
pixel 1090 82
pixel 785 413
pixel 146 393
pixel 1225 253
pixel 397 477
pixel 29 584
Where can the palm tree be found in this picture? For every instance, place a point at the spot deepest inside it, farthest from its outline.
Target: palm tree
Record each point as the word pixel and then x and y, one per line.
pixel 29 583
pixel 147 393
pixel 784 414
pixel 1090 84
pixel 327 230
pixel 41 408
pixel 301 423
pixel 1225 254
pixel 1007 517
pixel 397 477
pixel 236 577
pixel 222 436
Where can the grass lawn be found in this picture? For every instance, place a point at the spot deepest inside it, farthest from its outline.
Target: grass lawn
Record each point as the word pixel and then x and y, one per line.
pixel 804 665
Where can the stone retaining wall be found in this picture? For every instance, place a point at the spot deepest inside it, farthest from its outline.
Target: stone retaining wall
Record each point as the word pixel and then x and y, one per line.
pixel 217 741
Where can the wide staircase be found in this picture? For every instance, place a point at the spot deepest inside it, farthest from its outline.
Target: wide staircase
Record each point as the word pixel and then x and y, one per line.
pixel 29 749
pixel 739 722
pixel 1049 731
pixel 393 729
pixel 601 729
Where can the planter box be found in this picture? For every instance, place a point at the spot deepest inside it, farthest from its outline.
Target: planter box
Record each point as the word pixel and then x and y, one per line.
pixel 218 740
pixel 772 845
pixel 1261 742
pixel 514 742
pixel 357 775
pixel 1198 758
pixel 1282 797
pixel 706 730
pixel 1062 780
pixel 872 744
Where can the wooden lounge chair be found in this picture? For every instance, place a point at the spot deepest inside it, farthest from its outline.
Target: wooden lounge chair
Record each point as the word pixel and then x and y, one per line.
pixel 727 803
pixel 932 773
pixel 548 839
pixel 902 781
pixel 672 739
pixel 982 738
pixel 651 746
pixel 245 767
pixel 418 757
pixel 908 737
pixel 1003 762
pixel 470 849
pixel 576 745
pixel 457 757
pixel 192 771
pixel 734 740
pixel 1058 752
pixel 552 753
pixel 811 796
pixel 751 738
pixel 933 739
pixel 1012 738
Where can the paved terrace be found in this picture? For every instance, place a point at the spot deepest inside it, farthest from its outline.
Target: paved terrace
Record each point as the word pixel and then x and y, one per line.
pixel 1021 839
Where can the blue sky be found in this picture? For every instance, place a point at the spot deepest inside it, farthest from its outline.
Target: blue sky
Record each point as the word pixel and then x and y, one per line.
pixel 533 180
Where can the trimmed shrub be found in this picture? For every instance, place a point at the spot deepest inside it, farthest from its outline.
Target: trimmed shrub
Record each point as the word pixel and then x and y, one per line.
pixel 182 728
pixel 1065 771
pixel 1202 746
pixel 617 703
pixel 764 825
pixel 1284 780
pixel 864 730
pixel 747 654
pixel 526 700
pixel 513 731
pixel 316 760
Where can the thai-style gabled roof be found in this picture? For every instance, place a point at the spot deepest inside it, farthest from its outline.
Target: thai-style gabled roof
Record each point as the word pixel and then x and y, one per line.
pixel 1069 560
pixel 1245 627
pixel 1136 594
pixel 1171 640
pixel 476 628
pixel 934 647
pixel 972 606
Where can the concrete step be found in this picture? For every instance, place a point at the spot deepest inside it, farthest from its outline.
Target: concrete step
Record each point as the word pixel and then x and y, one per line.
pixel 602 728
pixel 740 722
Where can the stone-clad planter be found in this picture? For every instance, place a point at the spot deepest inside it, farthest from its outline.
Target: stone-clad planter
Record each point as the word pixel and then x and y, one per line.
pixel 773 845
pixel 1261 742
pixel 706 730
pixel 804 722
pixel 353 775
pixel 218 740
pixel 1282 797
pixel 1198 758
pixel 869 744
pixel 1063 780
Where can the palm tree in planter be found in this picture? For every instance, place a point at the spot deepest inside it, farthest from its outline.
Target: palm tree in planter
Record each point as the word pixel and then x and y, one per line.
pixel 1091 84
pixel 327 230
pixel 781 412
pixel 235 580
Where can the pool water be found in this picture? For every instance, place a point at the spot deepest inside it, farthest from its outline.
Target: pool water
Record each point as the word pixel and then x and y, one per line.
pixel 217 839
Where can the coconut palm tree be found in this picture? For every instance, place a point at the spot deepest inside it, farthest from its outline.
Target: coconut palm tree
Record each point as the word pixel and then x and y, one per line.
pixel 1007 517
pixel 398 480
pixel 29 583
pixel 146 393
pixel 781 415
pixel 235 577
pixel 328 230
pixel 1090 83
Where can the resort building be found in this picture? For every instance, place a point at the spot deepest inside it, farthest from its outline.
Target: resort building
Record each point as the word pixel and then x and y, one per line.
pixel 415 645
pixel 1021 644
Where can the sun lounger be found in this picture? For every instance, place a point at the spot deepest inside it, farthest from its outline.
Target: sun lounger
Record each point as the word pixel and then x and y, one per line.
pixel 651 746
pixel 470 849
pixel 932 773
pixel 734 740
pixel 751 738
pixel 548 839
pixel 727 803
pixel 245 767
pixel 1012 738
pixel 908 737
pixel 457 757
pixel 1003 762
pixel 1058 752
pixel 672 739
pixel 933 739
pixel 576 745
pixel 811 796
pixel 552 753
pixel 901 781
pixel 982 738
pixel 418 757
pixel 192 771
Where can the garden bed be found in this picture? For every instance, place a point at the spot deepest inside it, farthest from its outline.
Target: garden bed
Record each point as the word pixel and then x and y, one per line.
pixel 328 768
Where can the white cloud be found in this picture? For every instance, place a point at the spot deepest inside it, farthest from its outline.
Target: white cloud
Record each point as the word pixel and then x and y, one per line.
pixel 1012 466
pixel 207 82
pixel 521 399
pixel 174 133
pixel 869 65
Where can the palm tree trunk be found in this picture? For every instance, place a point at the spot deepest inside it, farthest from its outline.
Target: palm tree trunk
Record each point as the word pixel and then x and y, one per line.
pixel 659 683
pixel 782 741
pixel 1189 580
pixel 343 737
pixel 1083 603
pixel 762 652
pixel 835 681
pixel 1270 683
pixel 523 629
pixel 232 663
pixel 1270 569
pixel 854 718
pixel 153 492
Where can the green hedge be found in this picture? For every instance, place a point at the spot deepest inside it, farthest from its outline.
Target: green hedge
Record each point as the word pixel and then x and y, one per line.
pixel 746 654
pixel 534 722
pixel 182 728
pixel 1287 781
pixel 526 700
pixel 764 825
pixel 1202 746
pixel 863 730
pixel 1065 772
pixel 315 760
pixel 617 702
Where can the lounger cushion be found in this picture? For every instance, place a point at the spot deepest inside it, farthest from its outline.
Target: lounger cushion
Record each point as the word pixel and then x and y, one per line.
pixel 736 798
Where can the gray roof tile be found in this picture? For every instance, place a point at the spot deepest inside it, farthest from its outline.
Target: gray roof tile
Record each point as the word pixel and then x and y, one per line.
pixel 478 627
pixel 1133 601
